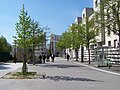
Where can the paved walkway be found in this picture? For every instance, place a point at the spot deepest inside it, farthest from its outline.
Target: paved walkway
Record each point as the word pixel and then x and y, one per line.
pixel 8 67
pixel 114 68
pixel 63 75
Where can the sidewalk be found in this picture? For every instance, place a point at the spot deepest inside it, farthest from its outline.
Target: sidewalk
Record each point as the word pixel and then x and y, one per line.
pixel 8 67
pixel 12 67
pixel 114 68
pixel 62 75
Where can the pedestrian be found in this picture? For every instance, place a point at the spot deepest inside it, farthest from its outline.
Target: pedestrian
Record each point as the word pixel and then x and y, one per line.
pixel 52 57
pixel 44 57
pixel 48 58
pixel 68 56
pixel 40 58
pixel 15 59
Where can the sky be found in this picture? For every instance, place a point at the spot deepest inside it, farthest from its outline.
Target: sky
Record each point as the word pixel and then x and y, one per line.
pixel 56 14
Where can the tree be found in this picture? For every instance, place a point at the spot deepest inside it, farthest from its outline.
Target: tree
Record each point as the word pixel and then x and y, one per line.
pixel 64 41
pixel 109 17
pixel 112 13
pixel 81 29
pixel 37 37
pixel 4 45
pixel 89 34
pixel 77 37
pixel 23 34
pixel 72 38
pixel 113 16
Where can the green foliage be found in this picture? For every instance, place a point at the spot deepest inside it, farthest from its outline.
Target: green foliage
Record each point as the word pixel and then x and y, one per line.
pixel 23 29
pixel 77 35
pixel 24 74
pixel 23 35
pixel 4 45
pixel 29 32
pixel 109 16
pixel 89 32
pixel 37 35
pixel 64 41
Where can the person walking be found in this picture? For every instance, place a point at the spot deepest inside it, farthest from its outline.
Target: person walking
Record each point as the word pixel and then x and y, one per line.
pixel 40 58
pixel 52 57
pixel 68 56
pixel 44 57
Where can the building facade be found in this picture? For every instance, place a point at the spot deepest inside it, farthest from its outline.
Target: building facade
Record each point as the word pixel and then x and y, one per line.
pixel 103 39
pixel 106 36
pixel 53 41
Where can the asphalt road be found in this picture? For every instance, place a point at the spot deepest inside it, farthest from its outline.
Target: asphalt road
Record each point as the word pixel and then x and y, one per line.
pixel 63 75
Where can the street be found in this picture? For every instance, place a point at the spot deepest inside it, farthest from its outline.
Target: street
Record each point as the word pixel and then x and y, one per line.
pixel 63 75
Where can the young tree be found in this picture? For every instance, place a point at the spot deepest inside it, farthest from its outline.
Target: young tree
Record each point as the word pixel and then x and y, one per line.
pixel 81 37
pixel 89 34
pixel 23 34
pixel 37 37
pixel 77 37
pixel 64 41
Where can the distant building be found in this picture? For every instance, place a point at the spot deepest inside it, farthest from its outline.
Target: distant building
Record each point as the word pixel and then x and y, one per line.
pixel 86 13
pixel 53 41
pixel 78 20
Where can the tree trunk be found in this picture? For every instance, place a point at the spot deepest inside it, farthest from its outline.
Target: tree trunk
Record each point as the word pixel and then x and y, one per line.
pixel 89 53
pixel 118 20
pixel 76 54
pixel 82 54
pixel 34 61
pixel 24 67
pixel 119 40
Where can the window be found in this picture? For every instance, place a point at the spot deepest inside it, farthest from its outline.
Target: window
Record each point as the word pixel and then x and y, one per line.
pixel 109 43
pixel 115 43
pixel 108 28
pixel 92 47
pixel 83 15
pixel 118 45
pixel 96 3
pixel 99 43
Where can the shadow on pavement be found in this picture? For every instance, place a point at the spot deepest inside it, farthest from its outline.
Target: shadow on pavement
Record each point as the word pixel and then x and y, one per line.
pixel 3 67
pixel 62 66
pixel 4 64
pixel 67 78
